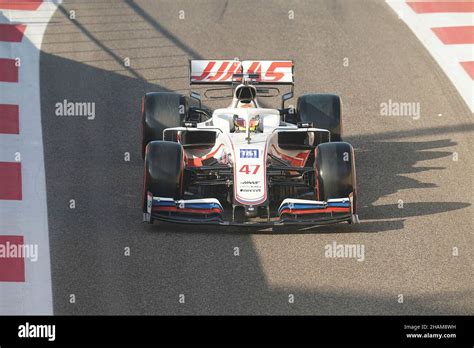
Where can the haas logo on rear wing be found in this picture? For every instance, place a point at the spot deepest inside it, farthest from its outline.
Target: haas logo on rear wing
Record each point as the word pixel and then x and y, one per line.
pixel 222 71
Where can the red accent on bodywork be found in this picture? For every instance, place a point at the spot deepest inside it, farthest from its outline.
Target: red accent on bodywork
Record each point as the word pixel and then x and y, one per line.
pixel 197 161
pixel 144 193
pixel 315 211
pixel 189 210
pixel 194 162
pixel 298 161
pixel 183 165
pixel 316 175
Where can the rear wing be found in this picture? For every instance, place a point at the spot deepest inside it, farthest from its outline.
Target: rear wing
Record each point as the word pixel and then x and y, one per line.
pixel 269 72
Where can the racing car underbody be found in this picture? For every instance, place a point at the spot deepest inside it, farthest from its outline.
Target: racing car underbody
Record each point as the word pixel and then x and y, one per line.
pixel 246 164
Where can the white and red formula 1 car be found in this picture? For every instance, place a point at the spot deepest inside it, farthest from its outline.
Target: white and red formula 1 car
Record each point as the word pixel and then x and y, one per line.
pixel 246 164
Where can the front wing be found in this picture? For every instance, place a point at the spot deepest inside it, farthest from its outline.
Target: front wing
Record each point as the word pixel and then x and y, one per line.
pixel 210 211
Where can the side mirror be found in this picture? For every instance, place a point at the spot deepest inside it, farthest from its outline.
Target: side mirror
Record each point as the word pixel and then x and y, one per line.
pixel 285 97
pixel 197 96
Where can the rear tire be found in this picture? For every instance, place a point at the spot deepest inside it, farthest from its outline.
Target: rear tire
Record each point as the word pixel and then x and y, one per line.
pixel 164 168
pixel 323 110
pixel 335 172
pixel 161 110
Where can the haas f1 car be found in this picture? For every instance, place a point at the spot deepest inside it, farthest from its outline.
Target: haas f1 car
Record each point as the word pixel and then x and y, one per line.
pixel 246 164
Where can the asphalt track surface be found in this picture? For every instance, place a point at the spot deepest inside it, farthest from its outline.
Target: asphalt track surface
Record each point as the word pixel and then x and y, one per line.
pixel 407 251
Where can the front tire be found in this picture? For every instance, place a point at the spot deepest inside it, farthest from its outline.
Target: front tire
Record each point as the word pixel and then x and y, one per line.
pixel 164 168
pixel 335 172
